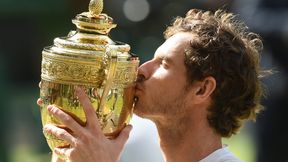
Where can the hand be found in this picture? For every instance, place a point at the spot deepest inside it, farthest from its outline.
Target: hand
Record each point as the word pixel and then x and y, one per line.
pixel 87 143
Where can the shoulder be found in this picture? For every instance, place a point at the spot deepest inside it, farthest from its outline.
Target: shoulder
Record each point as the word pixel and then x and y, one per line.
pixel 221 155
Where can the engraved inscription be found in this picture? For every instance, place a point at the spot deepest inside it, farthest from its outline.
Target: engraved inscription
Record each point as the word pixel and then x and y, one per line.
pixel 72 72
pixel 125 74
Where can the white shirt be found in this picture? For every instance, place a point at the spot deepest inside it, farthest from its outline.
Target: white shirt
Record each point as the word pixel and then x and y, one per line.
pixel 221 155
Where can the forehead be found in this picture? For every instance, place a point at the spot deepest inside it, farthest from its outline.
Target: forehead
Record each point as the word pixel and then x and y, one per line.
pixel 175 45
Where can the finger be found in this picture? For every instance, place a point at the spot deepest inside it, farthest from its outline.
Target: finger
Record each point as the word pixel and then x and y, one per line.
pixel 60 133
pixel 57 158
pixel 63 153
pixel 123 136
pixel 90 114
pixel 66 119
pixel 39 102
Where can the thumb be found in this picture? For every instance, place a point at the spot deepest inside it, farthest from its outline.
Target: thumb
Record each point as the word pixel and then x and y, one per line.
pixel 39 102
pixel 124 135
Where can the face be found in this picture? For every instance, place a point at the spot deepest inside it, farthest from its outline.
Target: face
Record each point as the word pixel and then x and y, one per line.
pixel 162 83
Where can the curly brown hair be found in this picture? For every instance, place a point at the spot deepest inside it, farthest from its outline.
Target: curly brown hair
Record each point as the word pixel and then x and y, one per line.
pixel 227 51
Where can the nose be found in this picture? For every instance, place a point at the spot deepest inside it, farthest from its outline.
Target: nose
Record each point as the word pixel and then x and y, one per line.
pixel 145 71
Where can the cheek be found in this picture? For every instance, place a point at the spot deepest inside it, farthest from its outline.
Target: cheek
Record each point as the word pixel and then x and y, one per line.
pixel 168 80
pixel 165 83
pixel 161 76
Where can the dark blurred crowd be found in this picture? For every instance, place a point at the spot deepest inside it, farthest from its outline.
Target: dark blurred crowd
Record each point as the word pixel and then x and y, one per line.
pixel 27 26
pixel 269 18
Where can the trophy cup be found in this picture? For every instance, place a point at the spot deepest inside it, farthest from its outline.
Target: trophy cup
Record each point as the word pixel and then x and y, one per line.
pixel 88 58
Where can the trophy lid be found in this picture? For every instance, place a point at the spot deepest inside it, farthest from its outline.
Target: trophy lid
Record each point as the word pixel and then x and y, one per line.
pixel 89 47
pixel 91 35
pixel 94 20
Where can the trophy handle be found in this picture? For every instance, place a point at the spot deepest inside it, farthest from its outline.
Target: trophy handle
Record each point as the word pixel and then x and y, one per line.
pixel 111 53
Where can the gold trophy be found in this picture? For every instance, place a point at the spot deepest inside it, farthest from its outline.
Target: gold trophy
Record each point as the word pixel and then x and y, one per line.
pixel 87 57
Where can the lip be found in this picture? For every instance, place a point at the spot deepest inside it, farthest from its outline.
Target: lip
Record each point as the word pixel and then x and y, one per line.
pixel 138 91
pixel 136 94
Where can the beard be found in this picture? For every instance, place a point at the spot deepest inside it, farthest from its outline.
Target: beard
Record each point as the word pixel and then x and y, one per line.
pixel 160 107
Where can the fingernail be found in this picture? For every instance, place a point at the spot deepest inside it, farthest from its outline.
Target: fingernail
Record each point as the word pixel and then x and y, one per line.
pixel 130 127
pixel 39 102
pixel 57 150
pixel 49 107
pixel 46 128
pixel 77 89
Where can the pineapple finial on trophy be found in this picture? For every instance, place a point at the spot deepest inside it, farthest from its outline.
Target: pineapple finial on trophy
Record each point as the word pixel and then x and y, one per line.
pixel 95 7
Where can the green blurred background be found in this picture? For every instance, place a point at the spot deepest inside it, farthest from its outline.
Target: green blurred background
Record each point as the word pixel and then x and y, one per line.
pixel 28 26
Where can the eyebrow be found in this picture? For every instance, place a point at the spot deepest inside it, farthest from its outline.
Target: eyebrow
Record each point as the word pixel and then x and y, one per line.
pixel 167 59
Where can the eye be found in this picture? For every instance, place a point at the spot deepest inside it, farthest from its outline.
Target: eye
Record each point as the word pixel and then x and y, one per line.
pixel 164 63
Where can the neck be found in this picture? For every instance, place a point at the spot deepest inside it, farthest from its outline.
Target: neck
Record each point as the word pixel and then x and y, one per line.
pixel 187 139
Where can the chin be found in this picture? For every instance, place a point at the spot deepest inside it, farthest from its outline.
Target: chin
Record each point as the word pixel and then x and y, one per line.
pixel 139 110
pixel 142 112
pixel 136 109
pixel 142 109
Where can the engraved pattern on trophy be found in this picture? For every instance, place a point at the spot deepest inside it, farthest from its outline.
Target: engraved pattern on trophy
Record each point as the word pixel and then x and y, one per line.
pixel 71 72
pixel 123 75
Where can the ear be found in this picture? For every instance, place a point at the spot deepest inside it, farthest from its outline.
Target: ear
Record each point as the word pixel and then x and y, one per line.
pixel 205 88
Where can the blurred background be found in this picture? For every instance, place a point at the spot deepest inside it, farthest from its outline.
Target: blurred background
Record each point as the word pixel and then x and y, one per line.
pixel 28 26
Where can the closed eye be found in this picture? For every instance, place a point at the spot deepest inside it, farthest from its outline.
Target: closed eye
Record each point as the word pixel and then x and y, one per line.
pixel 164 63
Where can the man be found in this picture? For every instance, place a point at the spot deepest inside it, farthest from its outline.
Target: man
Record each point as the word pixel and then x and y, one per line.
pixel 201 84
